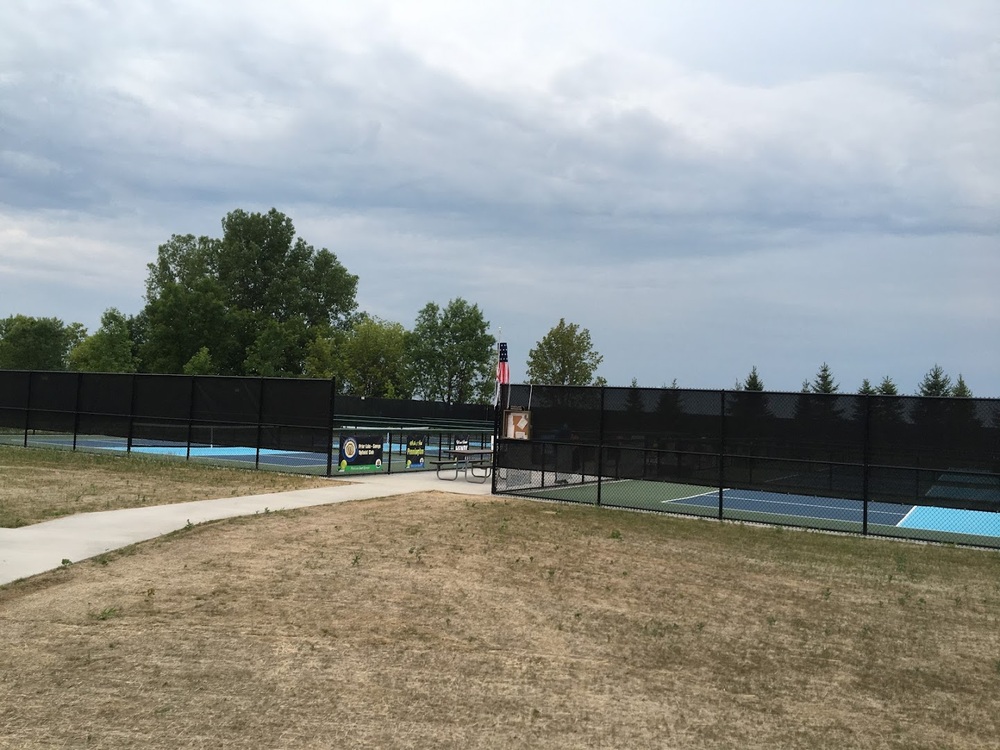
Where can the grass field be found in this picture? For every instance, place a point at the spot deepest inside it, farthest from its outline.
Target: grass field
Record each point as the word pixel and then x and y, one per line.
pixel 435 620
pixel 39 484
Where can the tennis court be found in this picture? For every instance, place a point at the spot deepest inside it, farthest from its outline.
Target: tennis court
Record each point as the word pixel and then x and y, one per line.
pixel 812 511
pixel 397 446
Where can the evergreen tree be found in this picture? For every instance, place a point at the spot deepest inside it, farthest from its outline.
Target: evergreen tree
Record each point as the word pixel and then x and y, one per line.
pixel 935 383
pixel 866 389
pixel 753 381
pixel 824 382
pixel 887 387
pixel 961 390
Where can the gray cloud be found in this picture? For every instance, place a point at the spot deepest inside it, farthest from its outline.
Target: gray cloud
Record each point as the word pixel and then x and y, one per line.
pixel 737 189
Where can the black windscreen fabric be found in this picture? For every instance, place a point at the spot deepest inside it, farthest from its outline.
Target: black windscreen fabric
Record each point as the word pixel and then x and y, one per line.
pixel 105 404
pixel 13 398
pixel 222 400
pixel 53 401
pixel 166 397
pixel 296 402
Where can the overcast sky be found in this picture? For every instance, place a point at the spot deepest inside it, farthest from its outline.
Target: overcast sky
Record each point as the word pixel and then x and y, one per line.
pixel 705 185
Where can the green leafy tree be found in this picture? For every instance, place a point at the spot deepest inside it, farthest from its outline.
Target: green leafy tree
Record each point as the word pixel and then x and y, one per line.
pixel 867 389
pixel 108 349
pixel 200 363
pixel 450 354
pixel 373 359
pixel 258 295
pixel 564 356
pixel 321 356
pixel 935 383
pixel 28 343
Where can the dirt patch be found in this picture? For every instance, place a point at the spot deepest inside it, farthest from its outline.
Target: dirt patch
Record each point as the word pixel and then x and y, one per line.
pixel 434 620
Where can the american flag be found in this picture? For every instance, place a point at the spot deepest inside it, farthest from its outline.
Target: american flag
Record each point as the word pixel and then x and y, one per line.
pixel 503 369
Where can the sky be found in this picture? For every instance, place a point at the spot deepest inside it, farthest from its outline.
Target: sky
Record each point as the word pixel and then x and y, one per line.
pixel 706 186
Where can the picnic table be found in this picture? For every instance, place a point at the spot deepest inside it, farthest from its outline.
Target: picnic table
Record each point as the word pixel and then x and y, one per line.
pixel 464 460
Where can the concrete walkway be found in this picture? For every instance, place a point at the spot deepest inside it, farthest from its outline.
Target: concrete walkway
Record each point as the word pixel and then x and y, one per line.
pixel 34 549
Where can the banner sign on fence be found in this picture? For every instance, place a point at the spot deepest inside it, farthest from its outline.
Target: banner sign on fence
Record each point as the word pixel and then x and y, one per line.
pixel 361 452
pixel 416 446
pixel 462 443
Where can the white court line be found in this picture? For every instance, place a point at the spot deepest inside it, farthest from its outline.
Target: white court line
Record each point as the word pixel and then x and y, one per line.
pixel 764 501
pixel 691 497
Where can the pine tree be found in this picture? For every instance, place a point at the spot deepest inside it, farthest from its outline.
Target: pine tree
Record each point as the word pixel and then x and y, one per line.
pixel 866 389
pixel 935 383
pixel 753 381
pixel 961 390
pixel 887 387
pixel 824 382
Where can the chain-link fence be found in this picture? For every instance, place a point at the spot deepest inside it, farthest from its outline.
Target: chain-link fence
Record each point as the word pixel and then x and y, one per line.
pixel 920 468
pixel 287 424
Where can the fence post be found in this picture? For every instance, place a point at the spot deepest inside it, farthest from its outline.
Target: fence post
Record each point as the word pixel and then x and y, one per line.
pixel 329 427
pixel 260 425
pixel 76 408
pixel 866 458
pixel 27 408
pixel 600 449
pixel 722 448
pixel 190 431
pixel 131 415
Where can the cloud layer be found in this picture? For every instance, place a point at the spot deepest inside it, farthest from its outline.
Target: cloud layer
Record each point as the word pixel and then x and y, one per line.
pixel 706 186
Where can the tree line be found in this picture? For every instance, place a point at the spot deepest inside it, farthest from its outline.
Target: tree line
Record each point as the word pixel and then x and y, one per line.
pixel 261 301
pixel 936 382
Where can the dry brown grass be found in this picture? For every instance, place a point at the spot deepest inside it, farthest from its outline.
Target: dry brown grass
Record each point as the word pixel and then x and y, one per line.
pixel 439 621
pixel 39 485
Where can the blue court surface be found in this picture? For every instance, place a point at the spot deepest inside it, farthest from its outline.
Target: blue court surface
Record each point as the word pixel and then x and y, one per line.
pixel 906 520
pixel 926 518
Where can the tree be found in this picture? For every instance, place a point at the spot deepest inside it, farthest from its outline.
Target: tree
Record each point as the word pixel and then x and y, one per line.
pixel 961 390
pixel 200 364
pixel 753 381
pixel 108 349
pixel 824 382
pixel 564 356
pixel 373 359
pixel 321 356
pixel 28 343
pixel 887 387
pixel 935 383
pixel 866 389
pixel 258 296
pixel 450 354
